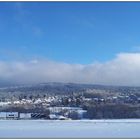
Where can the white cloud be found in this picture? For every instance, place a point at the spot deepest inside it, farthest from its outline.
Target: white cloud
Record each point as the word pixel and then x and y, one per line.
pixel 122 70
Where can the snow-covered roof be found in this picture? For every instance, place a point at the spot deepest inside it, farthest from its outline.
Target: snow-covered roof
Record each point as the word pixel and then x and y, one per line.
pixel 61 117
pixel 52 116
pixel 68 108
pixel 4 103
pixel 16 102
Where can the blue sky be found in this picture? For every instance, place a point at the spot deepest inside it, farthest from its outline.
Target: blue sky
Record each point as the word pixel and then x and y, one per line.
pixel 78 42
pixel 71 32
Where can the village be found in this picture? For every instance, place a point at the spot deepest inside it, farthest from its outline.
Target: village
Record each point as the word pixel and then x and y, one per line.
pixel 55 114
pixel 41 108
pixel 68 102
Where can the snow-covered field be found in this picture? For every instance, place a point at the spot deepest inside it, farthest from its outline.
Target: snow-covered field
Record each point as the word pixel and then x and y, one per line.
pixel 70 129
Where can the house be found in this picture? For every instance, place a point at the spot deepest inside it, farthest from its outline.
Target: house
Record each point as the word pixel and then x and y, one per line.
pixel 81 113
pixel 12 115
pixel 8 115
pixel 59 109
pixel 62 117
pixel 25 115
pixel 2 115
pixel 66 111
pixel 5 103
pixel 38 115
pixel 52 116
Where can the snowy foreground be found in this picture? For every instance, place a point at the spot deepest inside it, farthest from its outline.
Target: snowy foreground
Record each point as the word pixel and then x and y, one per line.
pixel 129 128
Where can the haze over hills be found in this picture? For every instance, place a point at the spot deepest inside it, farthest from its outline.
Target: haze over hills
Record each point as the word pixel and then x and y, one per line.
pixel 55 88
pixel 55 85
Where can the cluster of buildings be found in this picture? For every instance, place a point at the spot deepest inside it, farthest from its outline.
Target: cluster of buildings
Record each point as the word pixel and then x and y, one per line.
pixel 34 102
pixel 67 113
pixel 14 115
pixel 55 113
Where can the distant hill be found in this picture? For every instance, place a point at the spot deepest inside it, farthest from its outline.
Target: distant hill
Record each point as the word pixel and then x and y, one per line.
pixel 55 88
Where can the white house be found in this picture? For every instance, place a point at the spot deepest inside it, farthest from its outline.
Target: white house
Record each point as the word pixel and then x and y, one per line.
pixel 2 115
pixel 52 116
pixel 62 117
pixel 12 115
pixel 81 113
pixel 25 115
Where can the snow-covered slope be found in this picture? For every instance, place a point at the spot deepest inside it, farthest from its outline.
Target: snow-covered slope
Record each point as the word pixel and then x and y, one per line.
pixel 70 129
